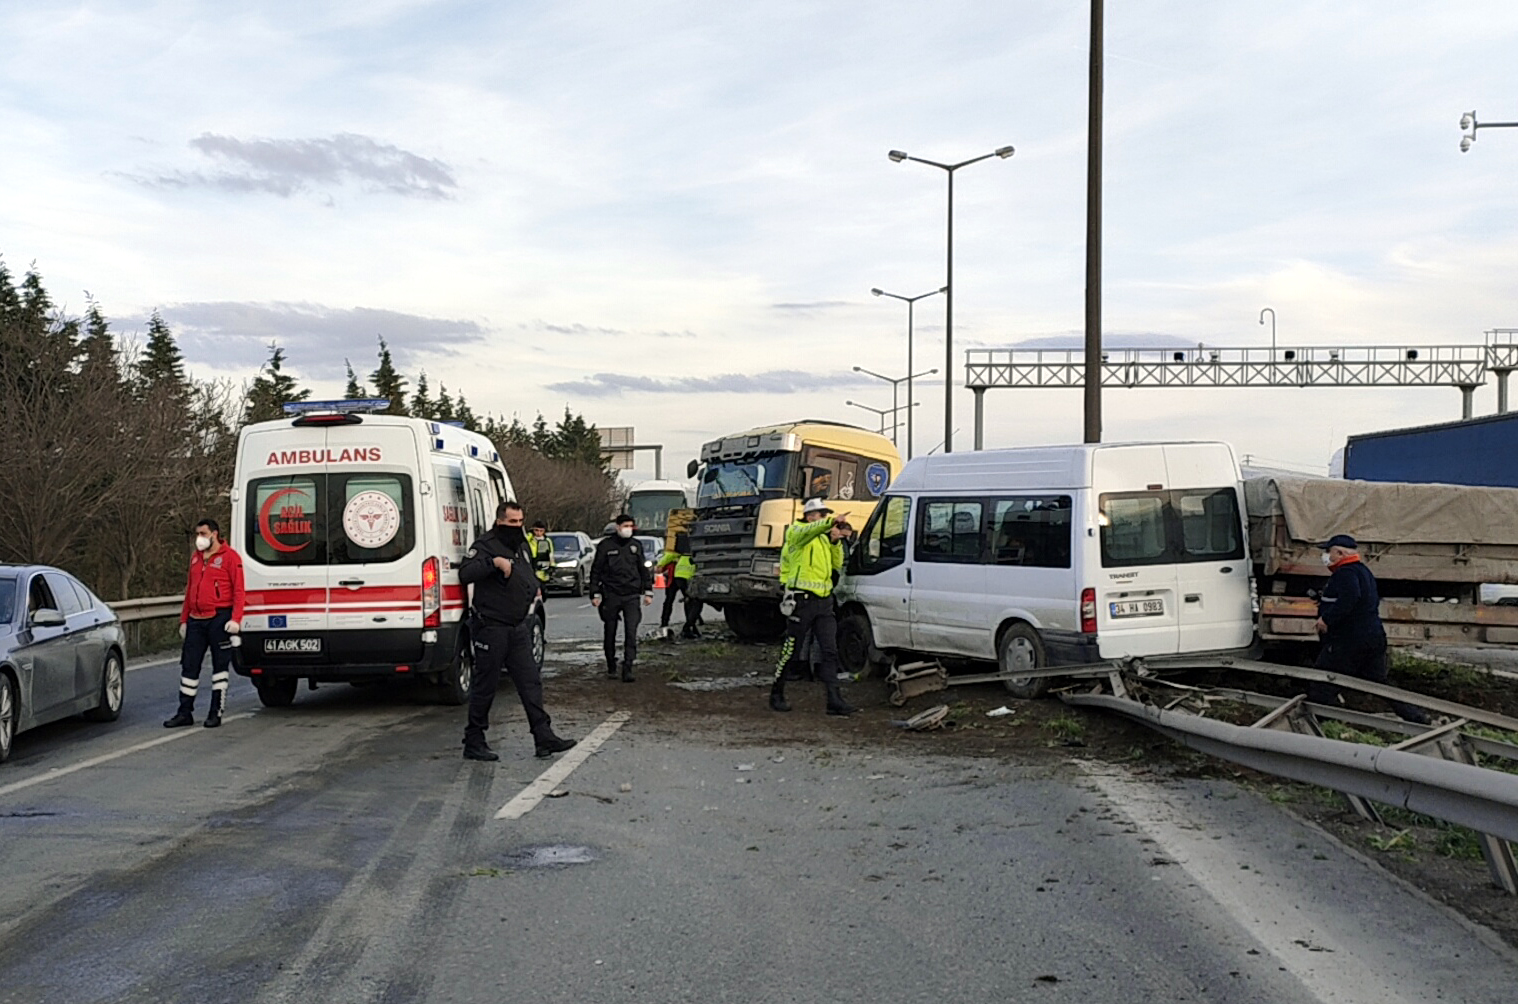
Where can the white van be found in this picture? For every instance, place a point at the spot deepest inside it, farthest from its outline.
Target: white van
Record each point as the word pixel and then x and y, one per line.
pixel 1048 556
pixel 352 527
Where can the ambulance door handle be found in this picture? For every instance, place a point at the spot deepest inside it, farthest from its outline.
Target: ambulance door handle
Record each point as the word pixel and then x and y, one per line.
pixel 1226 570
pixel 351 583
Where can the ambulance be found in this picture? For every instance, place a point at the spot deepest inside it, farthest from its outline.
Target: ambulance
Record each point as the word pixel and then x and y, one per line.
pixel 352 526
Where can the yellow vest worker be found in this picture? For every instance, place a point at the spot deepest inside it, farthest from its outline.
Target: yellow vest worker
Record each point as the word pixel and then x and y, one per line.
pixel 813 550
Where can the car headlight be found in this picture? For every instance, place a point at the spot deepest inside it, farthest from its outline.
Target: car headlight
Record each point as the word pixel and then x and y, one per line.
pixel 565 564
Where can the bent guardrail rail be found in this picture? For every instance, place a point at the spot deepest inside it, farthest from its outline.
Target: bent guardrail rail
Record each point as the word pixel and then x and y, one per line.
pixel 151 608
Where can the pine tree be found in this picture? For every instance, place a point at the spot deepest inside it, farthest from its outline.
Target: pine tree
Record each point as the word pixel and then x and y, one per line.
pixel 355 391
pixel 576 440
pixel 162 366
pixel 99 361
pixel 541 437
pixel 388 383
pixel 444 409
pixel 422 406
pixel 272 389
pixel 463 413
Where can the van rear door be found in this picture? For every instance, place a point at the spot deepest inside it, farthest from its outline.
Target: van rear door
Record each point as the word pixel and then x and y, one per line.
pixel 282 533
pixel 1212 575
pixel 1135 582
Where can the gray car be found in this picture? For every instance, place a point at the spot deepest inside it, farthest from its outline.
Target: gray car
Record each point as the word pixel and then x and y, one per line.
pixel 62 652
pixel 572 556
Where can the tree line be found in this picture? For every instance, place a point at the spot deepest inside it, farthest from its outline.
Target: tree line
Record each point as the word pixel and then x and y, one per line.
pixel 112 450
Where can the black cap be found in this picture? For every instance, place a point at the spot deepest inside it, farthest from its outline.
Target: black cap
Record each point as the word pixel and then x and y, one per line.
pixel 1343 540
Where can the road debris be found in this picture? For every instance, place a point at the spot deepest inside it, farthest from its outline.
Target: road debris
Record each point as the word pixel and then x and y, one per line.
pixel 933 718
pixel 1000 712
pixel 625 788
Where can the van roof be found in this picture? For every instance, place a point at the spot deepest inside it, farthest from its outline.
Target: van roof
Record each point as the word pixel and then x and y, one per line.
pixel 446 438
pixel 1025 467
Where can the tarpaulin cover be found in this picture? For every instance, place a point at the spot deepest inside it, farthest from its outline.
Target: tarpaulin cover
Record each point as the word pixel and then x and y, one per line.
pixel 1386 513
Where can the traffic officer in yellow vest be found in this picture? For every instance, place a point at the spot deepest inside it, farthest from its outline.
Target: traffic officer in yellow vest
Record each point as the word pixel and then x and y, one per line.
pixel 813 550
pixel 678 567
pixel 542 552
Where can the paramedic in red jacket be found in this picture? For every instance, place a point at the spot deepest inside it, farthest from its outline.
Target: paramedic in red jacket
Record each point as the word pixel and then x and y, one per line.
pixel 212 613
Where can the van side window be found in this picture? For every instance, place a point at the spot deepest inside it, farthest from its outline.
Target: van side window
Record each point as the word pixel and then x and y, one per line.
pixel 1031 530
pixel 883 544
pixel 1209 524
pixel 484 516
pixel 949 530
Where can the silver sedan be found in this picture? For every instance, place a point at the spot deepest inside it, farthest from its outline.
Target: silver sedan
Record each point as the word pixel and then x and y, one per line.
pixel 62 652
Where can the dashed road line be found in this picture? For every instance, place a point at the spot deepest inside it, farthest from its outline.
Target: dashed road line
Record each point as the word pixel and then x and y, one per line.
pixel 96 761
pixel 528 798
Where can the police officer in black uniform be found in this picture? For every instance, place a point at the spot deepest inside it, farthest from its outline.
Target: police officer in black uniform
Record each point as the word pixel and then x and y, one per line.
pixel 619 574
pixel 499 566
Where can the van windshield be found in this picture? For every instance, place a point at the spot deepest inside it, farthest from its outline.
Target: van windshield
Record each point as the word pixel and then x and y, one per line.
pixel 331 519
pixel 751 479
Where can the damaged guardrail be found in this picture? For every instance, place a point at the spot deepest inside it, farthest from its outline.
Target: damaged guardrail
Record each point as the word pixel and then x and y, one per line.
pixel 1435 771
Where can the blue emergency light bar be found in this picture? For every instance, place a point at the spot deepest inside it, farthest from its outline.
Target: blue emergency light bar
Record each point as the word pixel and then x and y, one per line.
pixel 362 406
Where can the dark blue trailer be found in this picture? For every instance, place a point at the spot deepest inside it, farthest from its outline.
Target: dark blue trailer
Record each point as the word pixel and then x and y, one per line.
pixel 1477 451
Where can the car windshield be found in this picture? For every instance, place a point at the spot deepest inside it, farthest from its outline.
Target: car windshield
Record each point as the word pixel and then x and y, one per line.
pixel 751 479
pixel 565 543
pixel 7 600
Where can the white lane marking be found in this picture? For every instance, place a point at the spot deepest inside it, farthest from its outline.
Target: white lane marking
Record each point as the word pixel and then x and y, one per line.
pixel 96 761
pixel 170 661
pixel 528 798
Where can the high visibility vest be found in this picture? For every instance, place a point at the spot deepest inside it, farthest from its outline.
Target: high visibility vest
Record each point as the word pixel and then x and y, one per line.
pixel 808 557
pixel 542 564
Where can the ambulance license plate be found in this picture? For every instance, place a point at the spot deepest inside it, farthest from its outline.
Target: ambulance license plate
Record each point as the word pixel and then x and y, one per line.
pixel 1136 608
pixel 292 646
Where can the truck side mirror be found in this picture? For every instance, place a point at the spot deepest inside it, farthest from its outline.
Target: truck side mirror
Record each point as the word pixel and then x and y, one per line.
pixel 691 468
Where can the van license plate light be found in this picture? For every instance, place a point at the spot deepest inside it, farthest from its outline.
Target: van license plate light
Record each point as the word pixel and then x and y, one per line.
pixel 1136 608
pixel 296 646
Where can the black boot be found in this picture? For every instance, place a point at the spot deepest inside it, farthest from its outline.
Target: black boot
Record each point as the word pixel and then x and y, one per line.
pixel 627 673
pixel 180 718
pixel 544 748
pixel 218 699
pixel 836 704
pixel 611 668
pixel 480 751
pixel 777 697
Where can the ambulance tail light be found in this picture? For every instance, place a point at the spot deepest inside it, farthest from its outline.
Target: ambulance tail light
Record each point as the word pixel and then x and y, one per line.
pixel 1088 611
pixel 432 594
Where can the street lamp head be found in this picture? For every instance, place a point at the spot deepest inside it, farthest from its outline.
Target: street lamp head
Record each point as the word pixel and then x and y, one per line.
pixel 932 371
pixel 1467 119
pixel 856 369
pixel 877 292
pixel 851 404
pixel 897 155
pixel 1465 144
pixel 1004 152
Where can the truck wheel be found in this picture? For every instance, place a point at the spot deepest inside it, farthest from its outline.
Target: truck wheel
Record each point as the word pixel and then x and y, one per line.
pixel 1021 648
pixel 112 688
pixel 855 642
pixel 278 692
pixel 453 682
pixel 754 621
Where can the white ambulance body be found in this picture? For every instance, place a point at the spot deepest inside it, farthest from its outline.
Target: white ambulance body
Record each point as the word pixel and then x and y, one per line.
pixel 352 527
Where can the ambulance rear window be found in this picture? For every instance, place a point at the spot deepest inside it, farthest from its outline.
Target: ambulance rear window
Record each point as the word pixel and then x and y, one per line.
pixel 331 519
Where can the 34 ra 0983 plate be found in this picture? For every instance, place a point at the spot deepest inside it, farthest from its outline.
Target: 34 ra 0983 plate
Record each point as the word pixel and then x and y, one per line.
pixel 1136 608
pixel 292 646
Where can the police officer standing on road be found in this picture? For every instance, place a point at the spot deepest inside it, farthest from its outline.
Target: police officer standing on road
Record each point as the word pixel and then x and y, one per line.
pixel 542 551
pixel 499 567
pixel 619 574
pixel 211 615
pixel 813 550
pixel 1349 620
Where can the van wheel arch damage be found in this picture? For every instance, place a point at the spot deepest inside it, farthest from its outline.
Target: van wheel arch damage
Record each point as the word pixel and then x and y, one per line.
pixel 856 643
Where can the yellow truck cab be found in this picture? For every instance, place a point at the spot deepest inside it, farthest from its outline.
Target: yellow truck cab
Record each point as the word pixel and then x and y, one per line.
pixel 750 486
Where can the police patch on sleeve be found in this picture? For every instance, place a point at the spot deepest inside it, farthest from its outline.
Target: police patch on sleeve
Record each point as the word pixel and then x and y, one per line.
pixel 471 552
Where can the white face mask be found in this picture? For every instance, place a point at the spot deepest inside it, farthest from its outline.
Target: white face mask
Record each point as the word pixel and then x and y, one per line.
pixel 1328 559
pixel 202 543
pixel 624 532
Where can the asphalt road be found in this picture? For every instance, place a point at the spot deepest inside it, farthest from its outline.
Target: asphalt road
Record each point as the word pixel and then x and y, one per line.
pixel 340 850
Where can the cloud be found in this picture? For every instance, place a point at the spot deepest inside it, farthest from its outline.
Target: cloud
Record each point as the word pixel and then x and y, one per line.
pixel 1110 340
pixel 769 382
pixel 285 167
pixel 316 338
pixel 814 306
pixel 577 329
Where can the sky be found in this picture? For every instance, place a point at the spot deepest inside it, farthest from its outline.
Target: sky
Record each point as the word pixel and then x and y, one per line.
pixel 670 214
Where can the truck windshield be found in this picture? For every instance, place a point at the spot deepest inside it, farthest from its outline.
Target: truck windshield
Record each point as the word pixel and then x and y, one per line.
pixel 650 510
pixel 766 476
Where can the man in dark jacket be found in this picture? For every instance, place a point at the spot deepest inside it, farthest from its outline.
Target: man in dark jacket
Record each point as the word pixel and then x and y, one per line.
pixel 1349 620
pixel 618 576
pixel 499 567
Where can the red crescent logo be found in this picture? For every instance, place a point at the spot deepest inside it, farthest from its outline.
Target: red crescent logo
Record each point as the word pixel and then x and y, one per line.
pixel 267 532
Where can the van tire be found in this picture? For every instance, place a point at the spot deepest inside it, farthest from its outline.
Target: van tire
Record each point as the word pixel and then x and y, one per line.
pixel 278 692
pixel 1020 647
pixel 454 682
pixel 754 621
pixel 855 645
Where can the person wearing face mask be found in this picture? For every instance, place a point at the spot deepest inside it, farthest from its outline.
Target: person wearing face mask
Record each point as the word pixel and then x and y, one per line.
pixel 210 616
pixel 618 576
pixel 499 567
pixel 1349 622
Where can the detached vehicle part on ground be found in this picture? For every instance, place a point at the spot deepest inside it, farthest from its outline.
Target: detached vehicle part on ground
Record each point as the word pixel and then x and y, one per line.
pixel 352 526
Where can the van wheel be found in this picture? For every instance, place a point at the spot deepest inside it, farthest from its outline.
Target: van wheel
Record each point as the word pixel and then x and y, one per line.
pixel 278 692
pixel 1022 649
pixel 854 644
pixel 453 682
pixel 112 688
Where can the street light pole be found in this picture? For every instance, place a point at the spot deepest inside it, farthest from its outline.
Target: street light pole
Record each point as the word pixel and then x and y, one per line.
pixel 882 413
pixel 1468 121
pixel 948 399
pixel 1272 312
pixel 1093 392
pixel 895 383
pixel 911 302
